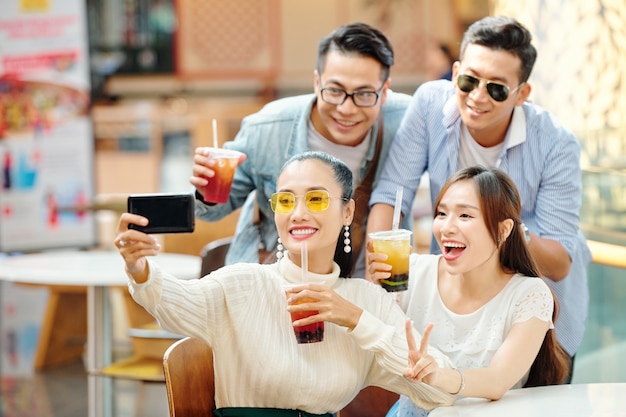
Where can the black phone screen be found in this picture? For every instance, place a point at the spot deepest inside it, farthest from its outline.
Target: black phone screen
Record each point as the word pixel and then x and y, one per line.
pixel 166 213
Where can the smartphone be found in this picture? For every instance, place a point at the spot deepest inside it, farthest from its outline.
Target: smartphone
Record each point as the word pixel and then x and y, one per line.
pixel 167 213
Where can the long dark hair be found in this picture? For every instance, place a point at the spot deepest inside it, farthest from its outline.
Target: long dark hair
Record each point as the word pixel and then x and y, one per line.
pixel 343 176
pixel 500 200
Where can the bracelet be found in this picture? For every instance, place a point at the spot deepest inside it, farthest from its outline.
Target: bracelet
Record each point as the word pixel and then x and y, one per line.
pixel 462 386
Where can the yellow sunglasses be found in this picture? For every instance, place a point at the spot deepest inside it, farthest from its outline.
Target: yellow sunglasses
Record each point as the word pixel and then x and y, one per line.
pixel 315 200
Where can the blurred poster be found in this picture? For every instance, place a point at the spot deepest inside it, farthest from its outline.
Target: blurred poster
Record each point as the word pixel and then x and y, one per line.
pixel 20 327
pixel 46 140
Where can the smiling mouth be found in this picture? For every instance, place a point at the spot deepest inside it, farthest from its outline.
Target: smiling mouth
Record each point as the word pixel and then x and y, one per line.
pixel 453 248
pixel 302 232
pixel 475 110
pixel 346 123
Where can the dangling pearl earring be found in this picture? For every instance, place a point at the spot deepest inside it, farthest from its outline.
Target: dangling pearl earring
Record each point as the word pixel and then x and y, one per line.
pixel 346 241
pixel 279 249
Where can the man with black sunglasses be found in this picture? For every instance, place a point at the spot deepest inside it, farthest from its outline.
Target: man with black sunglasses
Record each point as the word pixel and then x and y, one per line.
pixel 352 115
pixel 482 117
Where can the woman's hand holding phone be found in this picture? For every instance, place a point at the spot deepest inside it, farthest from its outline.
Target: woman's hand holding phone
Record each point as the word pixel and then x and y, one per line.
pixel 135 245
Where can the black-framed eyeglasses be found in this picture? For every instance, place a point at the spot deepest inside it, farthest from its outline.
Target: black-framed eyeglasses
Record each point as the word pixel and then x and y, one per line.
pixel 360 98
pixel 315 201
pixel 497 91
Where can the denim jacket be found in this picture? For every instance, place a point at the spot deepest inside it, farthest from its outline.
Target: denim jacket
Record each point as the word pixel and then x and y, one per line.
pixel 269 138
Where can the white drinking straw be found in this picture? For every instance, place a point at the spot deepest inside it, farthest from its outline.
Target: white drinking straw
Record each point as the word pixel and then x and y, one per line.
pixel 397 208
pixel 305 261
pixel 215 143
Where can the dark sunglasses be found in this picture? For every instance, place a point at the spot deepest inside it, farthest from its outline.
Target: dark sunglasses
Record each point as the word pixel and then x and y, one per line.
pixel 497 91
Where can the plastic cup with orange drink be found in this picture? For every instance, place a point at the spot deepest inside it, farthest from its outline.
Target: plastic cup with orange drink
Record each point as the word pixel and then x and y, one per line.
pixel 396 244
pixel 309 333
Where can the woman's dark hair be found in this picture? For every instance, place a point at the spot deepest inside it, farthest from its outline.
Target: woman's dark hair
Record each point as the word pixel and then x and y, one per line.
pixel 343 176
pixel 500 200
pixel 503 33
pixel 359 39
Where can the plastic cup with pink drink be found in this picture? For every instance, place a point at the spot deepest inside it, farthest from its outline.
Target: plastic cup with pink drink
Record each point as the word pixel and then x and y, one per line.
pixel 219 185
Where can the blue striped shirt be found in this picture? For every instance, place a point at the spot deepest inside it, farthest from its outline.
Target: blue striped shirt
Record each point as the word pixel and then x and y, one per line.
pixel 544 162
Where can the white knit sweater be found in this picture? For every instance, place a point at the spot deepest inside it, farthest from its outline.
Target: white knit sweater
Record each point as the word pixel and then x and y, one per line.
pixel 240 310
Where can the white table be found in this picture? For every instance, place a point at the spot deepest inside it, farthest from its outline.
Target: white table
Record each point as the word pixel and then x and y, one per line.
pixel 97 270
pixel 576 400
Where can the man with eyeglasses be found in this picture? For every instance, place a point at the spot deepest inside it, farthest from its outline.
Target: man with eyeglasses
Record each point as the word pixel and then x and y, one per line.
pixel 482 117
pixel 352 115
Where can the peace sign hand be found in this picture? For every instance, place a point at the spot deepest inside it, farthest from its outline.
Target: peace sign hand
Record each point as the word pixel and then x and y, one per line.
pixel 422 366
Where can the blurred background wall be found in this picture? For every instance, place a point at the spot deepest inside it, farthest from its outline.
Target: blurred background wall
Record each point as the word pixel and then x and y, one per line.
pixel 257 46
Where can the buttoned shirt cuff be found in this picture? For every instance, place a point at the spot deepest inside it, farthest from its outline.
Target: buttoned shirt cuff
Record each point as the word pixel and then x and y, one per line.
pixel 201 199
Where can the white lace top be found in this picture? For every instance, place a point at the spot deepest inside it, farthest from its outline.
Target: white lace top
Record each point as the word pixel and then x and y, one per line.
pixel 471 340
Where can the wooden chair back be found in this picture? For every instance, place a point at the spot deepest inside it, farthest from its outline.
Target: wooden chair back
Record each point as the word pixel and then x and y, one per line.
pixel 189 378
pixel 213 255
pixel 370 402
